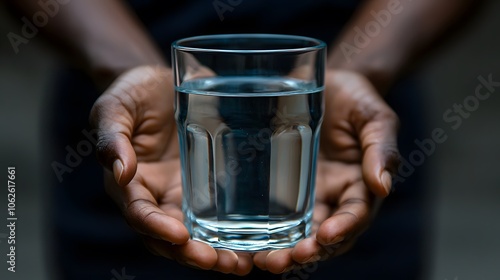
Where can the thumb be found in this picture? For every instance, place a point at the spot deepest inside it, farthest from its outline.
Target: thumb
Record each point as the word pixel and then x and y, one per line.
pixel 114 124
pixel 380 152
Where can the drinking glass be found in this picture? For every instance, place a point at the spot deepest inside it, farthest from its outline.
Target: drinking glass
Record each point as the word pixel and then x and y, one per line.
pixel 248 109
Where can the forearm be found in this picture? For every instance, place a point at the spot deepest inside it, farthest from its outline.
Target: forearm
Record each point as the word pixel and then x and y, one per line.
pixel 386 35
pixel 103 36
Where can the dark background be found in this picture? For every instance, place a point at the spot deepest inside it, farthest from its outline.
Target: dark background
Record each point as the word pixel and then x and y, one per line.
pixel 463 177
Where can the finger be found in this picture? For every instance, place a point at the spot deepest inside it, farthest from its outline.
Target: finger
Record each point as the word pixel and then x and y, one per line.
pixel 114 124
pixel 309 250
pixel 259 259
pixel 321 212
pixel 245 264
pixel 197 254
pixel 134 101
pixel 365 121
pixel 227 261
pixel 193 253
pixel 306 251
pixel 144 215
pixel 380 156
pixel 279 261
pixel 350 219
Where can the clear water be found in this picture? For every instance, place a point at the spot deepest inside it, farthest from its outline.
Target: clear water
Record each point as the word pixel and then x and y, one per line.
pixel 248 154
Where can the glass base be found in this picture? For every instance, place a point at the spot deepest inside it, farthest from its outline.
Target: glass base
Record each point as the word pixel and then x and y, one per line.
pixel 250 236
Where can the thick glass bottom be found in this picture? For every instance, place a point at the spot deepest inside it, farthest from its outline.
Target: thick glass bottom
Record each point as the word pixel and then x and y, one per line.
pixel 245 234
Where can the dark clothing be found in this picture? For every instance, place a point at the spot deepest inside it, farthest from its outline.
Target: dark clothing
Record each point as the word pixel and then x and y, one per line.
pixel 92 240
pixel 171 20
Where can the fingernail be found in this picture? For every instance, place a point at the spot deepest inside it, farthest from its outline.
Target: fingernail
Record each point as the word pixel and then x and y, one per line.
pixel 287 269
pixel 314 258
pixel 270 253
pixel 336 240
pixel 117 170
pixel 387 181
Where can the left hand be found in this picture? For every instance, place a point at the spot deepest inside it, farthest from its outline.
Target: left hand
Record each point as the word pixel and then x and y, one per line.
pixel 358 153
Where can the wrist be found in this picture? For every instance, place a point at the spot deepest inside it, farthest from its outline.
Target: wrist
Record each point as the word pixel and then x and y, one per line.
pixel 112 41
pixel 104 66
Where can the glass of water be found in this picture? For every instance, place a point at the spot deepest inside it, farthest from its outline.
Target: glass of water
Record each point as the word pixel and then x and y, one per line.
pixel 249 109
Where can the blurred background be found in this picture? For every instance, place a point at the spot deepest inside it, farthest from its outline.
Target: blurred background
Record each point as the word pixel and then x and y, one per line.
pixel 464 175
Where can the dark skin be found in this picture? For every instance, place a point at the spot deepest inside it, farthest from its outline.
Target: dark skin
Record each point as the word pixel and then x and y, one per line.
pixel 138 142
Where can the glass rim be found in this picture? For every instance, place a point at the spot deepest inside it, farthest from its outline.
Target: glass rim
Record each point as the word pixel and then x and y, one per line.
pixel 317 44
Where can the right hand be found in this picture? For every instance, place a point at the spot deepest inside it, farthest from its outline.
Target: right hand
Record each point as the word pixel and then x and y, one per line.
pixel 137 145
pixel 357 155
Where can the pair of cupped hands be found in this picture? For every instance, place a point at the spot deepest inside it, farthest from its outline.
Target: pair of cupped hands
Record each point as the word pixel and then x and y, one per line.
pixel 138 146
